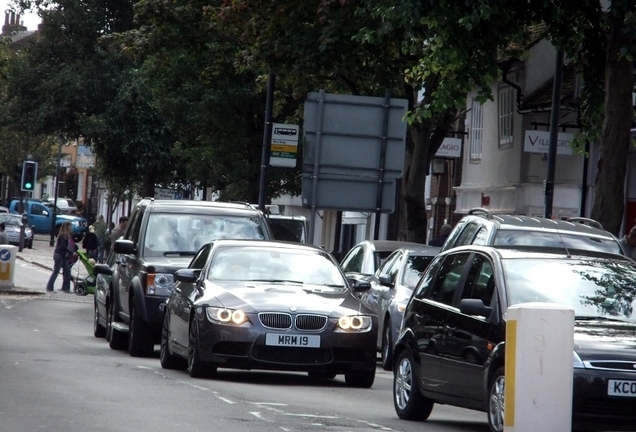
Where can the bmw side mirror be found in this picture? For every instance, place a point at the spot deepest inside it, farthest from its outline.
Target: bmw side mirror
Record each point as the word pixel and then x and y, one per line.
pixel 103 269
pixel 359 285
pixel 386 281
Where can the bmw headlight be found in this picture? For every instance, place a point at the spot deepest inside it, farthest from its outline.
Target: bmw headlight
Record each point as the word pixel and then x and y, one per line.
pixel 578 364
pixel 219 315
pixel 354 323
pixel 159 284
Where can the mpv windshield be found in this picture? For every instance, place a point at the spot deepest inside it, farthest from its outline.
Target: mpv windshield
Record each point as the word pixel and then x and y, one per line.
pixel 554 239
pixel 173 232
pixel 594 288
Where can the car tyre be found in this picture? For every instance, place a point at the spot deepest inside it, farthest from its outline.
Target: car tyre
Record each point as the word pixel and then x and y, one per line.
pixel 387 346
pixel 496 401
pixel 140 338
pixel 360 379
pixel 30 245
pixel 196 367
pixel 116 339
pixel 408 401
pixel 99 331
pixel 166 358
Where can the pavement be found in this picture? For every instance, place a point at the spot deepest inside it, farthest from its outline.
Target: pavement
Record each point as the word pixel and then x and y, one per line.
pixel 41 255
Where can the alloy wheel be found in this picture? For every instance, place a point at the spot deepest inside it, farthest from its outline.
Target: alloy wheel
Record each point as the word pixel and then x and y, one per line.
pixel 496 405
pixel 403 383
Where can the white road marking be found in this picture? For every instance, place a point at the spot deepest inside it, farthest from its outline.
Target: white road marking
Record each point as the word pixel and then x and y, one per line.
pixel 258 415
pixel 311 416
pixel 225 400
pixel 376 426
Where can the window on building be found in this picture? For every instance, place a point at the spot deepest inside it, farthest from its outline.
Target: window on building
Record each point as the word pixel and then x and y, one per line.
pixel 476 130
pixel 506 105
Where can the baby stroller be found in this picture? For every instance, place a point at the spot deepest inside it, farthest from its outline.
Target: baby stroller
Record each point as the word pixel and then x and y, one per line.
pixel 86 285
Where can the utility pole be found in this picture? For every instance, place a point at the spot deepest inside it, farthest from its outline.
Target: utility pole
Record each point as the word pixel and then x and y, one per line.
pixel 57 182
pixel 554 130
pixel 267 141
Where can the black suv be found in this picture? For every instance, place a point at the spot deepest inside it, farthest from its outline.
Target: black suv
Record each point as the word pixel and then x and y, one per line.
pixel 162 236
pixel 451 348
pixel 481 227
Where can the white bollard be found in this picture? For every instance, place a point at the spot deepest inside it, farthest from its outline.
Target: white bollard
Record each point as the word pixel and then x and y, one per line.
pixel 538 370
pixel 7 265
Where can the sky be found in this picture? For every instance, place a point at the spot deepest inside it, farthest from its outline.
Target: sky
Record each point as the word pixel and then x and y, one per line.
pixel 31 21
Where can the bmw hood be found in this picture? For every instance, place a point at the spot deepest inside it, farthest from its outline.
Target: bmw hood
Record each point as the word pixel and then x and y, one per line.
pixel 270 297
pixel 605 340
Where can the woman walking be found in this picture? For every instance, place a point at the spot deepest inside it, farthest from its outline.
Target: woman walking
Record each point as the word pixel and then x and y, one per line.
pixel 61 254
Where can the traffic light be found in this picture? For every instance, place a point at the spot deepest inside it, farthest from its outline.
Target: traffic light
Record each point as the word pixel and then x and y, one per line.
pixel 29 176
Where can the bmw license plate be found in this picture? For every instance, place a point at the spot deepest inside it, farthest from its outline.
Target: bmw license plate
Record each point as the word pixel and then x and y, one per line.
pixel 292 340
pixel 621 388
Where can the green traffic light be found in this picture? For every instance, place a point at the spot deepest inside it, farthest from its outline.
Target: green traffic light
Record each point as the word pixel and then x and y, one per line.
pixel 28 185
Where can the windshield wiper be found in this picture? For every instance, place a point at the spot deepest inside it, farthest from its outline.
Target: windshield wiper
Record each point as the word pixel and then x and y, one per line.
pixel 180 253
pixel 333 285
pixel 277 281
pixel 596 318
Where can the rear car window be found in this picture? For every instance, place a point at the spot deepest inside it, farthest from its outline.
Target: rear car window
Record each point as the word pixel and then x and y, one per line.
pixel 168 232
pixel 556 240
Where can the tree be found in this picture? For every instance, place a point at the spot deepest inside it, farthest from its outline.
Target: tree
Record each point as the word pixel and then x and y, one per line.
pixel 362 48
pixel 72 83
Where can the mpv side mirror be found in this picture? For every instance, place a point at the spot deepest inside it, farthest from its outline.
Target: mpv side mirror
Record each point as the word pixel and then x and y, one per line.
pixel 124 247
pixel 474 307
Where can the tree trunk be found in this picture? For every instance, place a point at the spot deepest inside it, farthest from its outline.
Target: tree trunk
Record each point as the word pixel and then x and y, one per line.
pixel 149 185
pixel 615 141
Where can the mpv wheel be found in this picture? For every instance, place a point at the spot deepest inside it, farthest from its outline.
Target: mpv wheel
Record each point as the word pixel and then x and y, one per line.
pixel 140 339
pixel 496 401
pixel 99 331
pixel 387 346
pixel 408 401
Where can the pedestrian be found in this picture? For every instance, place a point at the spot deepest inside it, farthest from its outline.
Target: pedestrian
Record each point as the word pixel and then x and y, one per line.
pixel 4 238
pixel 444 232
pixel 61 256
pixel 90 242
pixel 118 231
pixel 628 244
pixel 101 232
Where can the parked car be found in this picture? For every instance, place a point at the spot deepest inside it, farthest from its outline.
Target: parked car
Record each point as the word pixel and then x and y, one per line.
pixel 12 226
pixel 39 217
pixel 451 347
pixel 66 205
pixel 364 258
pixel 481 227
pixel 289 228
pixel 268 305
pixel 161 237
pixel 391 287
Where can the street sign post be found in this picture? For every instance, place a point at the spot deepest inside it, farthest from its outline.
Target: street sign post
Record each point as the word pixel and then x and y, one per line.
pixel 284 147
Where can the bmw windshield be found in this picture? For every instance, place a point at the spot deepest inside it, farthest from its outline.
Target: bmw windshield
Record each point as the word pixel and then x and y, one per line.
pixel 594 288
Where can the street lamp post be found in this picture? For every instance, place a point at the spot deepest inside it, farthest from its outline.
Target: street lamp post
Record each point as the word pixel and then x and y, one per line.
pixel 57 181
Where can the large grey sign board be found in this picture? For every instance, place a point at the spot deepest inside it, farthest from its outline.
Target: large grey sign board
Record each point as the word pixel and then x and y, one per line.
pixel 354 150
pixel 344 193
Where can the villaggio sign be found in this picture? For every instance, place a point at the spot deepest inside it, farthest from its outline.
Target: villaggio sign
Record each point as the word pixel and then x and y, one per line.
pixel 539 142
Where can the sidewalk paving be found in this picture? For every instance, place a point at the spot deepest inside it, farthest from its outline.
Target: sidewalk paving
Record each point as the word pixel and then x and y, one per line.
pixel 41 255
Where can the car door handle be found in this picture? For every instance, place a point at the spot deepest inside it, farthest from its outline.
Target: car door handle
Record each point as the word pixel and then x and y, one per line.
pixel 449 330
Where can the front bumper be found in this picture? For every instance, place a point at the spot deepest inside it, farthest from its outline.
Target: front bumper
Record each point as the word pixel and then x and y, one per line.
pixel 244 347
pixel 594 409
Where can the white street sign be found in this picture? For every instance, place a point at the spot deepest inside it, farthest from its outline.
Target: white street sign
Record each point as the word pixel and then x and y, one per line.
pixel 539 142
pixel 284 147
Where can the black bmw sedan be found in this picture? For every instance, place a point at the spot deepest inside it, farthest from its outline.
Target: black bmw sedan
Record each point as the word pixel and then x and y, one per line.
pixel 451 345
pixel 268 305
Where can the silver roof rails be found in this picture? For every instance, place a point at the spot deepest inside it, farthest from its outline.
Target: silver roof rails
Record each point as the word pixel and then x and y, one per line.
pixel 482 210
pixel 586 221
